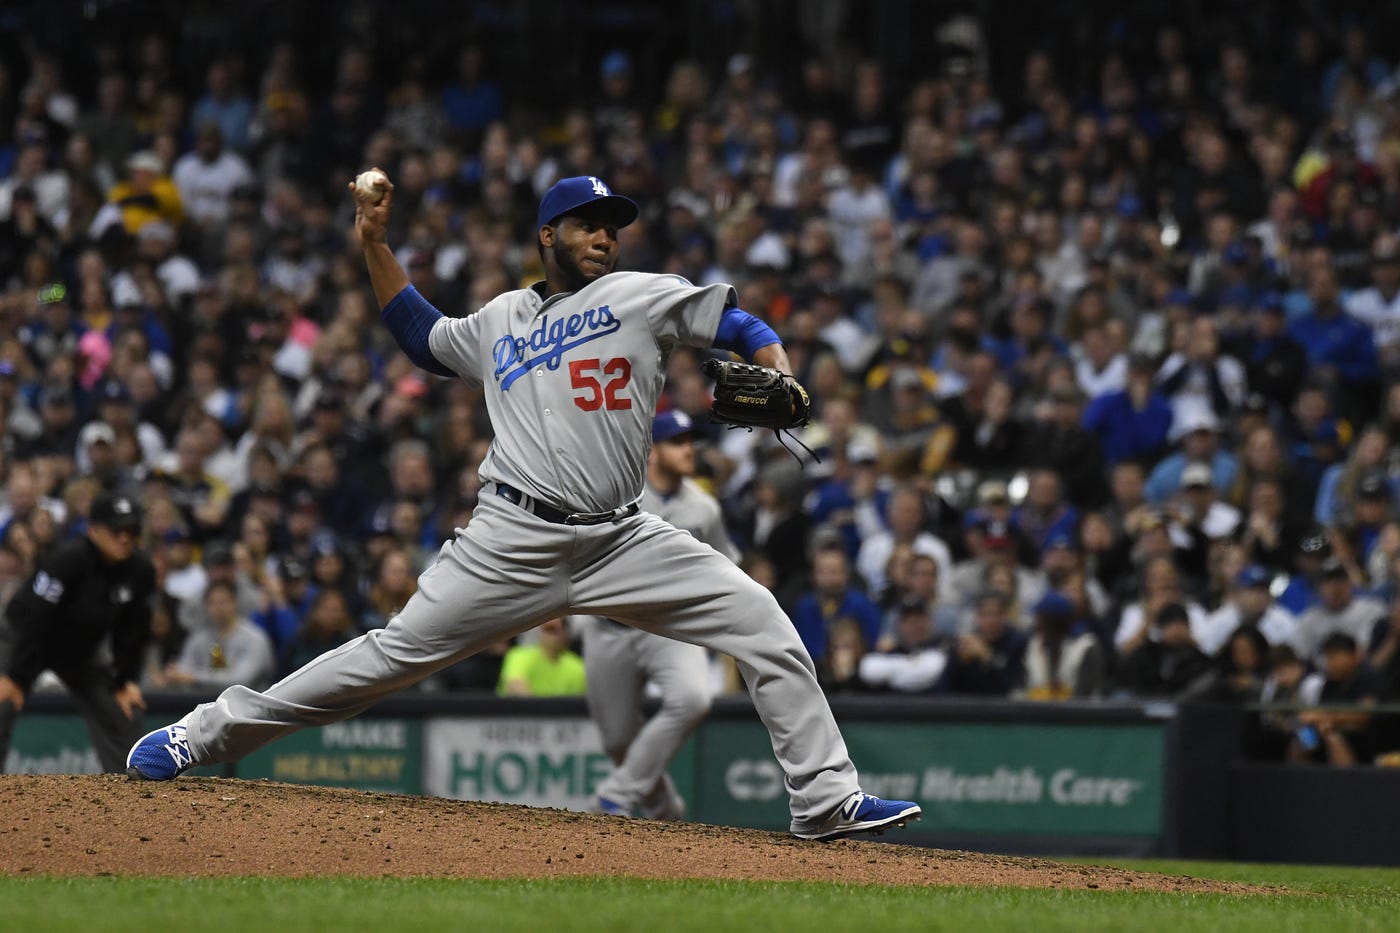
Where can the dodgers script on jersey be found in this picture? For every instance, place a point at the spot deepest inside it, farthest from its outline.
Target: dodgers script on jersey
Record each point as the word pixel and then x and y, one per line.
pixel 572 381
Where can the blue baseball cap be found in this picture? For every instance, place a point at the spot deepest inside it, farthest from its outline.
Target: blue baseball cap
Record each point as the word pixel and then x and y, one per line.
pixel 1054 604
pixel 1252 575
pixel 569 194
pixel 1238 296
pixel 616 62
pixel 1236 254
pixel 1179 296
pixel 672 424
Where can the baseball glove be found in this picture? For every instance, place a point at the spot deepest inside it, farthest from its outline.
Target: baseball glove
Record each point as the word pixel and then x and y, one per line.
pixel 753 396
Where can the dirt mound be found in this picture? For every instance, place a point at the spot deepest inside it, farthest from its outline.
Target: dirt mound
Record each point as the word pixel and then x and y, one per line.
pixel 86 825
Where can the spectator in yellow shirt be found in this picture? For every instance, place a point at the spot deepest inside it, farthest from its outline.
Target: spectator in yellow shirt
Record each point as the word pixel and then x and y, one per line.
pixel 148 193
pixel 545 669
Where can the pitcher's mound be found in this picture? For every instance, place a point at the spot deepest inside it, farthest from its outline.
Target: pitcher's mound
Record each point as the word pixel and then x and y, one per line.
pixel 90 825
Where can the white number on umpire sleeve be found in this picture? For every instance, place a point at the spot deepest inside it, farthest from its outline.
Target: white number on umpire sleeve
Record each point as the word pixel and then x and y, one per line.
pixel 47 588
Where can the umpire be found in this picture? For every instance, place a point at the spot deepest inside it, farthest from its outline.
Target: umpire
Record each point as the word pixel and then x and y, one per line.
pixel 85 590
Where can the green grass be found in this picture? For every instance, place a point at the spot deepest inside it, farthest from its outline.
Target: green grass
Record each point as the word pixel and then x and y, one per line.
pixel 1318 879
pixel 1330 899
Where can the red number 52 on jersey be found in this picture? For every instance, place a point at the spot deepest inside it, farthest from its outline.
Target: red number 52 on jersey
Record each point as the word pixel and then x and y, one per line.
pixel 596 394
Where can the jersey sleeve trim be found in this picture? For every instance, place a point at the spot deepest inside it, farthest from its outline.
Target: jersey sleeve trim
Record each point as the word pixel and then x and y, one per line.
pixel 743 333
pixel 410 318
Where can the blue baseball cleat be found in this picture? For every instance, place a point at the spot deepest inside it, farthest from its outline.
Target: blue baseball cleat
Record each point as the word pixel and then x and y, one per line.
pixel 162 755
pixel 610 807
pixel 863 813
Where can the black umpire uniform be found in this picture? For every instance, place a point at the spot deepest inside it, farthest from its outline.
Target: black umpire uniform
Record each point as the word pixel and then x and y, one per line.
pixel 85 590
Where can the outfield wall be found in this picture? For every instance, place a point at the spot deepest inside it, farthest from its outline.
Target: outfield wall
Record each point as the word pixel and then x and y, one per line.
pixel 1087 778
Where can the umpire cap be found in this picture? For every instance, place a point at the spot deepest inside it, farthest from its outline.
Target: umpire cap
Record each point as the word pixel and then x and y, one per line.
pixel 115 511
pixel 569 194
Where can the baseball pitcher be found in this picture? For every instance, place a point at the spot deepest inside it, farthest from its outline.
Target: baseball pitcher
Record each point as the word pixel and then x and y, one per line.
pixel 572 368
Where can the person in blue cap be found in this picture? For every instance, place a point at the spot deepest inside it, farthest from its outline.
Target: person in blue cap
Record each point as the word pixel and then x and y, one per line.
pixel 1249 605
pixel 1064 658
pixel 1275 364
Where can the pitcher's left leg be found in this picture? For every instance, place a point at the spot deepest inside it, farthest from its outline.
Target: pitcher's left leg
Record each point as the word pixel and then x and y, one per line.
pixel 651 575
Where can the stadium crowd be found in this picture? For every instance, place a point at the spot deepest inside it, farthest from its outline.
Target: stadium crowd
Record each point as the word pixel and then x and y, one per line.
pixel 1105 360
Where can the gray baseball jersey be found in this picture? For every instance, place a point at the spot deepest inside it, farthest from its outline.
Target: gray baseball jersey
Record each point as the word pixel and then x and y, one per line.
pixel 572 381
pixel 692 509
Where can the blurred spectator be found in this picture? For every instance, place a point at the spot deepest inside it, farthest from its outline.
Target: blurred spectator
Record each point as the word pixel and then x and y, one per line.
pixel 1356 536
pixel 1063 658
pixel 328 624
pixel 1378 307
pixel 1131 423
pixel 1199 518
pixel 1169 662
pixel 1198 432
pixel 831 599
pixel 544 669
pixel 992 545
pixel 905 525
pixel 1313 550
pixel 227 650
pixel 147 195
pixel 1340 485
pixel 479 673
pixel 1275 363
pixel 167 638
pixel 986 660
pixel 1337 737
pixel 224 106
pixel 1202 383
pixel 1249 606
pixel 1340 608
pixel 920 581
pixel 208 176
pixel 779 528
pixel 1241 668
pixel 839 670
pixel 914 660
pixel 1061 444
pixel 1341 350
pixel 1162 586
pixel 1045 511
pixel 473 100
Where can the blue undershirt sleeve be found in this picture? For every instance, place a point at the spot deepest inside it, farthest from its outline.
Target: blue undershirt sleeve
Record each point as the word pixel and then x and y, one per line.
pixel 743 333
pixel 410 317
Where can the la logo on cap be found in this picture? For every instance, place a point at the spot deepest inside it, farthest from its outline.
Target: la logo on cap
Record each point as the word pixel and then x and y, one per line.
pixel 599 188
pixel 122 507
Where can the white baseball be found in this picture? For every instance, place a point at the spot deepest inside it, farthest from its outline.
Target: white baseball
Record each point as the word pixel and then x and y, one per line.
pixel 370 186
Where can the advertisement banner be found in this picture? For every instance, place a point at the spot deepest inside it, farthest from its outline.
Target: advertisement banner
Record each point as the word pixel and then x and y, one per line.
pixel 363 754
pixel 538 762
pixel 986 778
pixel 49 743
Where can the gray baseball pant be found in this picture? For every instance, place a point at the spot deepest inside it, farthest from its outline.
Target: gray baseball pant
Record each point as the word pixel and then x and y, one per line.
pixel 619 661
pixel 509 570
